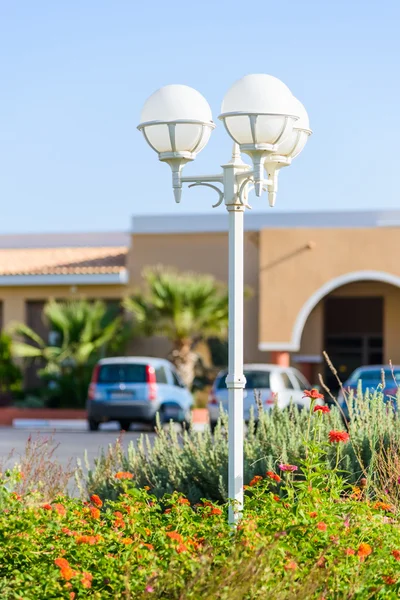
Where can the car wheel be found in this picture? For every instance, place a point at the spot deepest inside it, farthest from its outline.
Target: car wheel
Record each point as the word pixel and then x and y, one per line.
pixel 93 425
pixel 124 424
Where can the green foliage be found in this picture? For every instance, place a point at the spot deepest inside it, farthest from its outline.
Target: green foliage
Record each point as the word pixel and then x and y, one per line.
pixel 180 305
pixel 197 463
pixel 305 534
pixel 85 331
pixel 184 308
pixel 10 374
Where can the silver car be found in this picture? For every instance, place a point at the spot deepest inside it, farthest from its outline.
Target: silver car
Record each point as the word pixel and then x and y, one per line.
pixel 276 385
pixel 134 389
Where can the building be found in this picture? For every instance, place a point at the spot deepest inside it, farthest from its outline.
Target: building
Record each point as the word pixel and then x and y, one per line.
pixel 321 281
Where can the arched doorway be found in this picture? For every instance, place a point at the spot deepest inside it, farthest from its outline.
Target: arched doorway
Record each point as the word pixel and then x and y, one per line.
pixel 355 319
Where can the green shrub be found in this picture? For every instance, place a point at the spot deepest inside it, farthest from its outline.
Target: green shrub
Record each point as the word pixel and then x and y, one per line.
pixel 196 463
pixel 305 534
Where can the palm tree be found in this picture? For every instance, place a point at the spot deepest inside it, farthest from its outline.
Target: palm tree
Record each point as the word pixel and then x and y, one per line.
pixel 82 333
pixel 183 307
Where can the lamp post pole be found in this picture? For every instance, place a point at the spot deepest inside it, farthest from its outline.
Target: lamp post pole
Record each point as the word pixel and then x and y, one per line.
pixel 267 123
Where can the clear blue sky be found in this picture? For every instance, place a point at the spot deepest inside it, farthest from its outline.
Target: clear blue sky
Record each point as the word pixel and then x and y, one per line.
pixel 74 75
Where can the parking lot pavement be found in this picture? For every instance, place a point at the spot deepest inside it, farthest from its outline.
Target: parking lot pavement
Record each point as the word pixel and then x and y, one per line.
pixel 71 444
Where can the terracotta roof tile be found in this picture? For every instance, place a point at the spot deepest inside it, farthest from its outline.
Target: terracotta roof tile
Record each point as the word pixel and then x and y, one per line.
pixel 62 261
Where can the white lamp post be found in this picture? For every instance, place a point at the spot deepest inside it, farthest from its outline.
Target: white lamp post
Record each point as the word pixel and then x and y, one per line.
pixel 270 125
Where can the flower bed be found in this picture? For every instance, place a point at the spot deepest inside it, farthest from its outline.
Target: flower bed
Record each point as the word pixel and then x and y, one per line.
pixel 305 534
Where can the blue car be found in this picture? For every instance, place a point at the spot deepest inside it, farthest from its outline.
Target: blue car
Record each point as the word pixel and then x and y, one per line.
pixel 371 379
pixel 133 390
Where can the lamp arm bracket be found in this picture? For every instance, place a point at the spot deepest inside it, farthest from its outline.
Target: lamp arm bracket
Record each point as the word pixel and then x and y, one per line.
pixel 214 187
pixel 243 189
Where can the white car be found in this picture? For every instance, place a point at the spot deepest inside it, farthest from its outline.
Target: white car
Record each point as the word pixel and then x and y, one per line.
pixel 277 385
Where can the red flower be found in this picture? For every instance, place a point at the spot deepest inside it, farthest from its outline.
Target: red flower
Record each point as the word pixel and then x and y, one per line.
pixel 313 394
pixel 46 506
pixel 96 500
pixel 183 501
pixel 174 535
pixel 255 479
pixel 338 436
pixel 313 514
pixel 276 498
pixel 273 476
pixel 349 551
pixel 396 554
pixel 290 566
pixel 216 511
pixel 323 409
pixel 322 526
pixel 389 580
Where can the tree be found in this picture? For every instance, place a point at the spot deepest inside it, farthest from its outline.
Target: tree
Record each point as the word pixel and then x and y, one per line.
pixel 10 374
pixel 81 332
pixel 183 307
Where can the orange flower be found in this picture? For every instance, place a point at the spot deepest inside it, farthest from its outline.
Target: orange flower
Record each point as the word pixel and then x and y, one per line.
pixel 273 476
pixel 47 506
pixel 86 580
pixel 349 551
pixel 322 526
pixel 181 548
pixel 216 511
pixel 183 501
pixel 88 539
pixel 67 573
pixel 290 566
pixel 313 394
pixel 167 511
pixel 61 562
pixel 149 546
pixel 96 500
pixel 123 475
pixel 382 506
pixel 146 487
pixel 127 541
pixel 313 514
pixel 389 580
pixel 95 512
pixel 364 550
pixel 338 436
pixel 72 595
pixel 174 535
pixel 255 479
pixel 276 498
pixel 147 531
pixel 118 514
pixel 396 554
pixel 61 510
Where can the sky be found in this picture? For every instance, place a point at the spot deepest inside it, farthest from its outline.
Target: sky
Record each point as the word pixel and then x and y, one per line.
pixel 74 76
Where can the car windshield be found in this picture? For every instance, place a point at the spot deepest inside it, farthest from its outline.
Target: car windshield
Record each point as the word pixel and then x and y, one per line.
pixel 123 373
pixel 255 380
pixel 372 378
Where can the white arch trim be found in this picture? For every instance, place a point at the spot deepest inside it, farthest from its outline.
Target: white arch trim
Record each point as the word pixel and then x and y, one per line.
pixel 294 344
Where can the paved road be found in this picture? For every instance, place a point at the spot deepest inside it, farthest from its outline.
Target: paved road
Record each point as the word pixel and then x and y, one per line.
pixel 72 444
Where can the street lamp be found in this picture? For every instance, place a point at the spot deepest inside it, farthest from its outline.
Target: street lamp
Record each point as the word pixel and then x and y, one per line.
pixel 271 126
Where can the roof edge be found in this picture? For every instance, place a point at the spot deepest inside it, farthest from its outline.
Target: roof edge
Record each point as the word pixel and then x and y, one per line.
pixel 121 278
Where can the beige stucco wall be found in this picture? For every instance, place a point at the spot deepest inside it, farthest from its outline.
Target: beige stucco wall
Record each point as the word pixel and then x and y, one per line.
pixel 295 263
pixel 14 298
pixel 201 253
